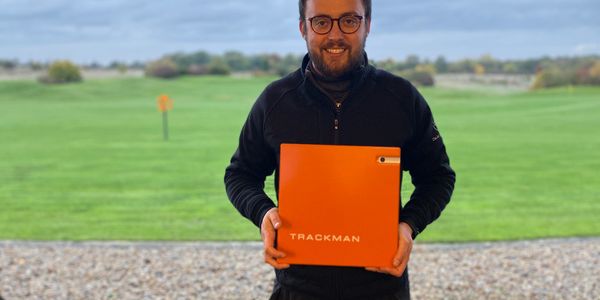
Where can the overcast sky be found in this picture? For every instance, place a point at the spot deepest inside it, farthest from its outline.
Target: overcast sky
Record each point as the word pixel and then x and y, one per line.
pixel 128 30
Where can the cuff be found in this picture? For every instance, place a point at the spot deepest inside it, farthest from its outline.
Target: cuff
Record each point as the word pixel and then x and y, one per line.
pixel 261 215
pixel 415 230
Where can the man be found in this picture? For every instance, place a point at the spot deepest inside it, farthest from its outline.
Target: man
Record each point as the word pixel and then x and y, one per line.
pixel 336 97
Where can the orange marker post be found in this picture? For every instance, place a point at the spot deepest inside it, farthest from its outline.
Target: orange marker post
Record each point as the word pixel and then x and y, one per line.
pixel 164 105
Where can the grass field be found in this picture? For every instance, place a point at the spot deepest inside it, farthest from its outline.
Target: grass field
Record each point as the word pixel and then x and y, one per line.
pixel 87 161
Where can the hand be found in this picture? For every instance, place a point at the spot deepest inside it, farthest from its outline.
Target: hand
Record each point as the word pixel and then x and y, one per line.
pixel 405 243
pixel 270 223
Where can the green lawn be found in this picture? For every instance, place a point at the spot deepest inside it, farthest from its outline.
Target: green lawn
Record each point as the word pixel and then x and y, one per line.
pixel 87 161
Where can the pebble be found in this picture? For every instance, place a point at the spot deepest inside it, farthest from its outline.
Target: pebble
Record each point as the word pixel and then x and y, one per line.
pixel 535 269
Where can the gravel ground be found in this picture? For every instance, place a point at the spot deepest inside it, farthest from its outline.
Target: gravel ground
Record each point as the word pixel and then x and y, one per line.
pixel 538 269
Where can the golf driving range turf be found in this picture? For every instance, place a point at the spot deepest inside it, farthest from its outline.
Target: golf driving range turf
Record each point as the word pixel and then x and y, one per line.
pixel 88 161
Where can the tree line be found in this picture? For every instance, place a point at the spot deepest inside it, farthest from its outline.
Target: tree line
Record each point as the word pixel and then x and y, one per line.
pixel 548 71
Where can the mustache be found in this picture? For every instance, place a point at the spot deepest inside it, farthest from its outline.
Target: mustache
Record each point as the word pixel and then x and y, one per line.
pixel 336 44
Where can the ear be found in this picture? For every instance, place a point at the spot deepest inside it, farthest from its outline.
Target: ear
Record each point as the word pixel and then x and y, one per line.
pixel 367 26
pixel 302 27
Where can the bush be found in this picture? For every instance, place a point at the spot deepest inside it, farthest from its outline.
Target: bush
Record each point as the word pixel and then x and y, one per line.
pixel 162 68
pixel 427 68
pixel 595 69
pixel 218 66
pixel 122 68
pixel 8 64
pixel 589 74
pixel 36 66
pixel 478 69
pixel 62 71
pixel 421 77
pixel 197 70
pixel 553 77
pixel 594 73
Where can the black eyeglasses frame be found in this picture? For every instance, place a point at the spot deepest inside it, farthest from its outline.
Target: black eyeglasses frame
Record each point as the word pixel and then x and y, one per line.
pixel 310 20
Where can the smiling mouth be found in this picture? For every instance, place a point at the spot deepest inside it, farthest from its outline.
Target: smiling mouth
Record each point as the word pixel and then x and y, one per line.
pixel 335 50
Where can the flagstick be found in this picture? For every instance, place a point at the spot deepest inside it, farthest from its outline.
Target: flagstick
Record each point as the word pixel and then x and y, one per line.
pixel 165 126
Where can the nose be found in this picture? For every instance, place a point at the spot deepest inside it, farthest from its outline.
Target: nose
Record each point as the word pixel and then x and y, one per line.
pixel 335 33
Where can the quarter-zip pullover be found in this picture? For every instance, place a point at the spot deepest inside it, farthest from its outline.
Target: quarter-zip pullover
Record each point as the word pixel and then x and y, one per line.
pixel 380 109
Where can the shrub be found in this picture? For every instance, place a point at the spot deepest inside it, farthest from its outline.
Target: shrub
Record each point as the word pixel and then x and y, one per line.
pixel 553 77
pixel 441 65
pixel 595 69
pixel 218 67
pixel 421 77
pixel 122 68
pixel 36 66
pixel 8 64
pixel 162 68
pixel 62 71
pixel 510 68
pixel 589 74
pixel 478 69
pixel 197 70
pixel 594 73
pixel 427 68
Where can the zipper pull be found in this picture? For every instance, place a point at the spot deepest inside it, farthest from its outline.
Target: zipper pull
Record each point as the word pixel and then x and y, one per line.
pixel 336 124
pixel 338 105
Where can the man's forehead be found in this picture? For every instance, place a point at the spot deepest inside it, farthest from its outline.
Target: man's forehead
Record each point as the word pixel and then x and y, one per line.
pixel 333 8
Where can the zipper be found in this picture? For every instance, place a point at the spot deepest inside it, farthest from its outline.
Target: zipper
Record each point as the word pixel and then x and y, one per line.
pixel 336 122
pixel 337 292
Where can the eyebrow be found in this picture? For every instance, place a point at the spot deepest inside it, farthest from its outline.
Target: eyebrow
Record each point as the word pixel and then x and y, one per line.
pixel 342 15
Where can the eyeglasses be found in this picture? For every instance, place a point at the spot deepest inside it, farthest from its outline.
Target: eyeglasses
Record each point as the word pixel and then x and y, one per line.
pixel 323 24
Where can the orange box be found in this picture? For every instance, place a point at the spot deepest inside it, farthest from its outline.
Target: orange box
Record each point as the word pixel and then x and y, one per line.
pixel 339 205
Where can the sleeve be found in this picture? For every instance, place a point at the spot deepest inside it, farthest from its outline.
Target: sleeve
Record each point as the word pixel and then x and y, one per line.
pixel 424 156
pixel 251 163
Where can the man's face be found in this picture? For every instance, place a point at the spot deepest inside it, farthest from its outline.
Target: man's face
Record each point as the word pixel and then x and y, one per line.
pixel 336 53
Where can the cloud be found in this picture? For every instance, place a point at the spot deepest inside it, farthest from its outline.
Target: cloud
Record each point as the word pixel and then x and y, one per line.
pixel 504 44
pixel 589 48
pixel 92 29
pixel 485 15
pixel 177 20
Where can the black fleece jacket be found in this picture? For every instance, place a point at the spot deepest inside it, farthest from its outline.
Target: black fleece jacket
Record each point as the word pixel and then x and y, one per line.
pixel 381 109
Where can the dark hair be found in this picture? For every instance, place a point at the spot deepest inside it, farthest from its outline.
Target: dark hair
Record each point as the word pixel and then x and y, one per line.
pixel 366 4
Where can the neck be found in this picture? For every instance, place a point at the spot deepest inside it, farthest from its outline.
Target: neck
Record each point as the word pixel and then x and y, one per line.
pixel 345 77
pixel 321 77
pixel 338 88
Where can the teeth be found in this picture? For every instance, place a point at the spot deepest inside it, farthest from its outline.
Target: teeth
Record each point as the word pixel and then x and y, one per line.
pixel 335 50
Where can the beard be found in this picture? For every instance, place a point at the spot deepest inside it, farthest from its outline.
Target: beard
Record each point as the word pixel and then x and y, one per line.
pixel 341 67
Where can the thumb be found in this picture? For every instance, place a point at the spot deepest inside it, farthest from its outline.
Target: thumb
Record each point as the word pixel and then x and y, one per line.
pixel 275 220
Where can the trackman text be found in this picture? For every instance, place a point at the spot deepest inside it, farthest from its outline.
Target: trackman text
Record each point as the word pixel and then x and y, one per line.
pixel 325 237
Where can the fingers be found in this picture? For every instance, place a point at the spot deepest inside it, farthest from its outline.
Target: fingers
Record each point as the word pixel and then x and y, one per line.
pixel 267 233
pixel 395 271
pixel 276 265
pixel 268 227
pixel 399 262
pixel 387 270
pixel 373 269
pixel 404 249
pixel 402 255
pixel 271 255
pixel 271 222
pixel 398 258
pixel 270 258
pixel 272 252
pixel 401 268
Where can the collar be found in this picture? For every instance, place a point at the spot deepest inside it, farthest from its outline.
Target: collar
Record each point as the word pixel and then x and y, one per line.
pixel 314 92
